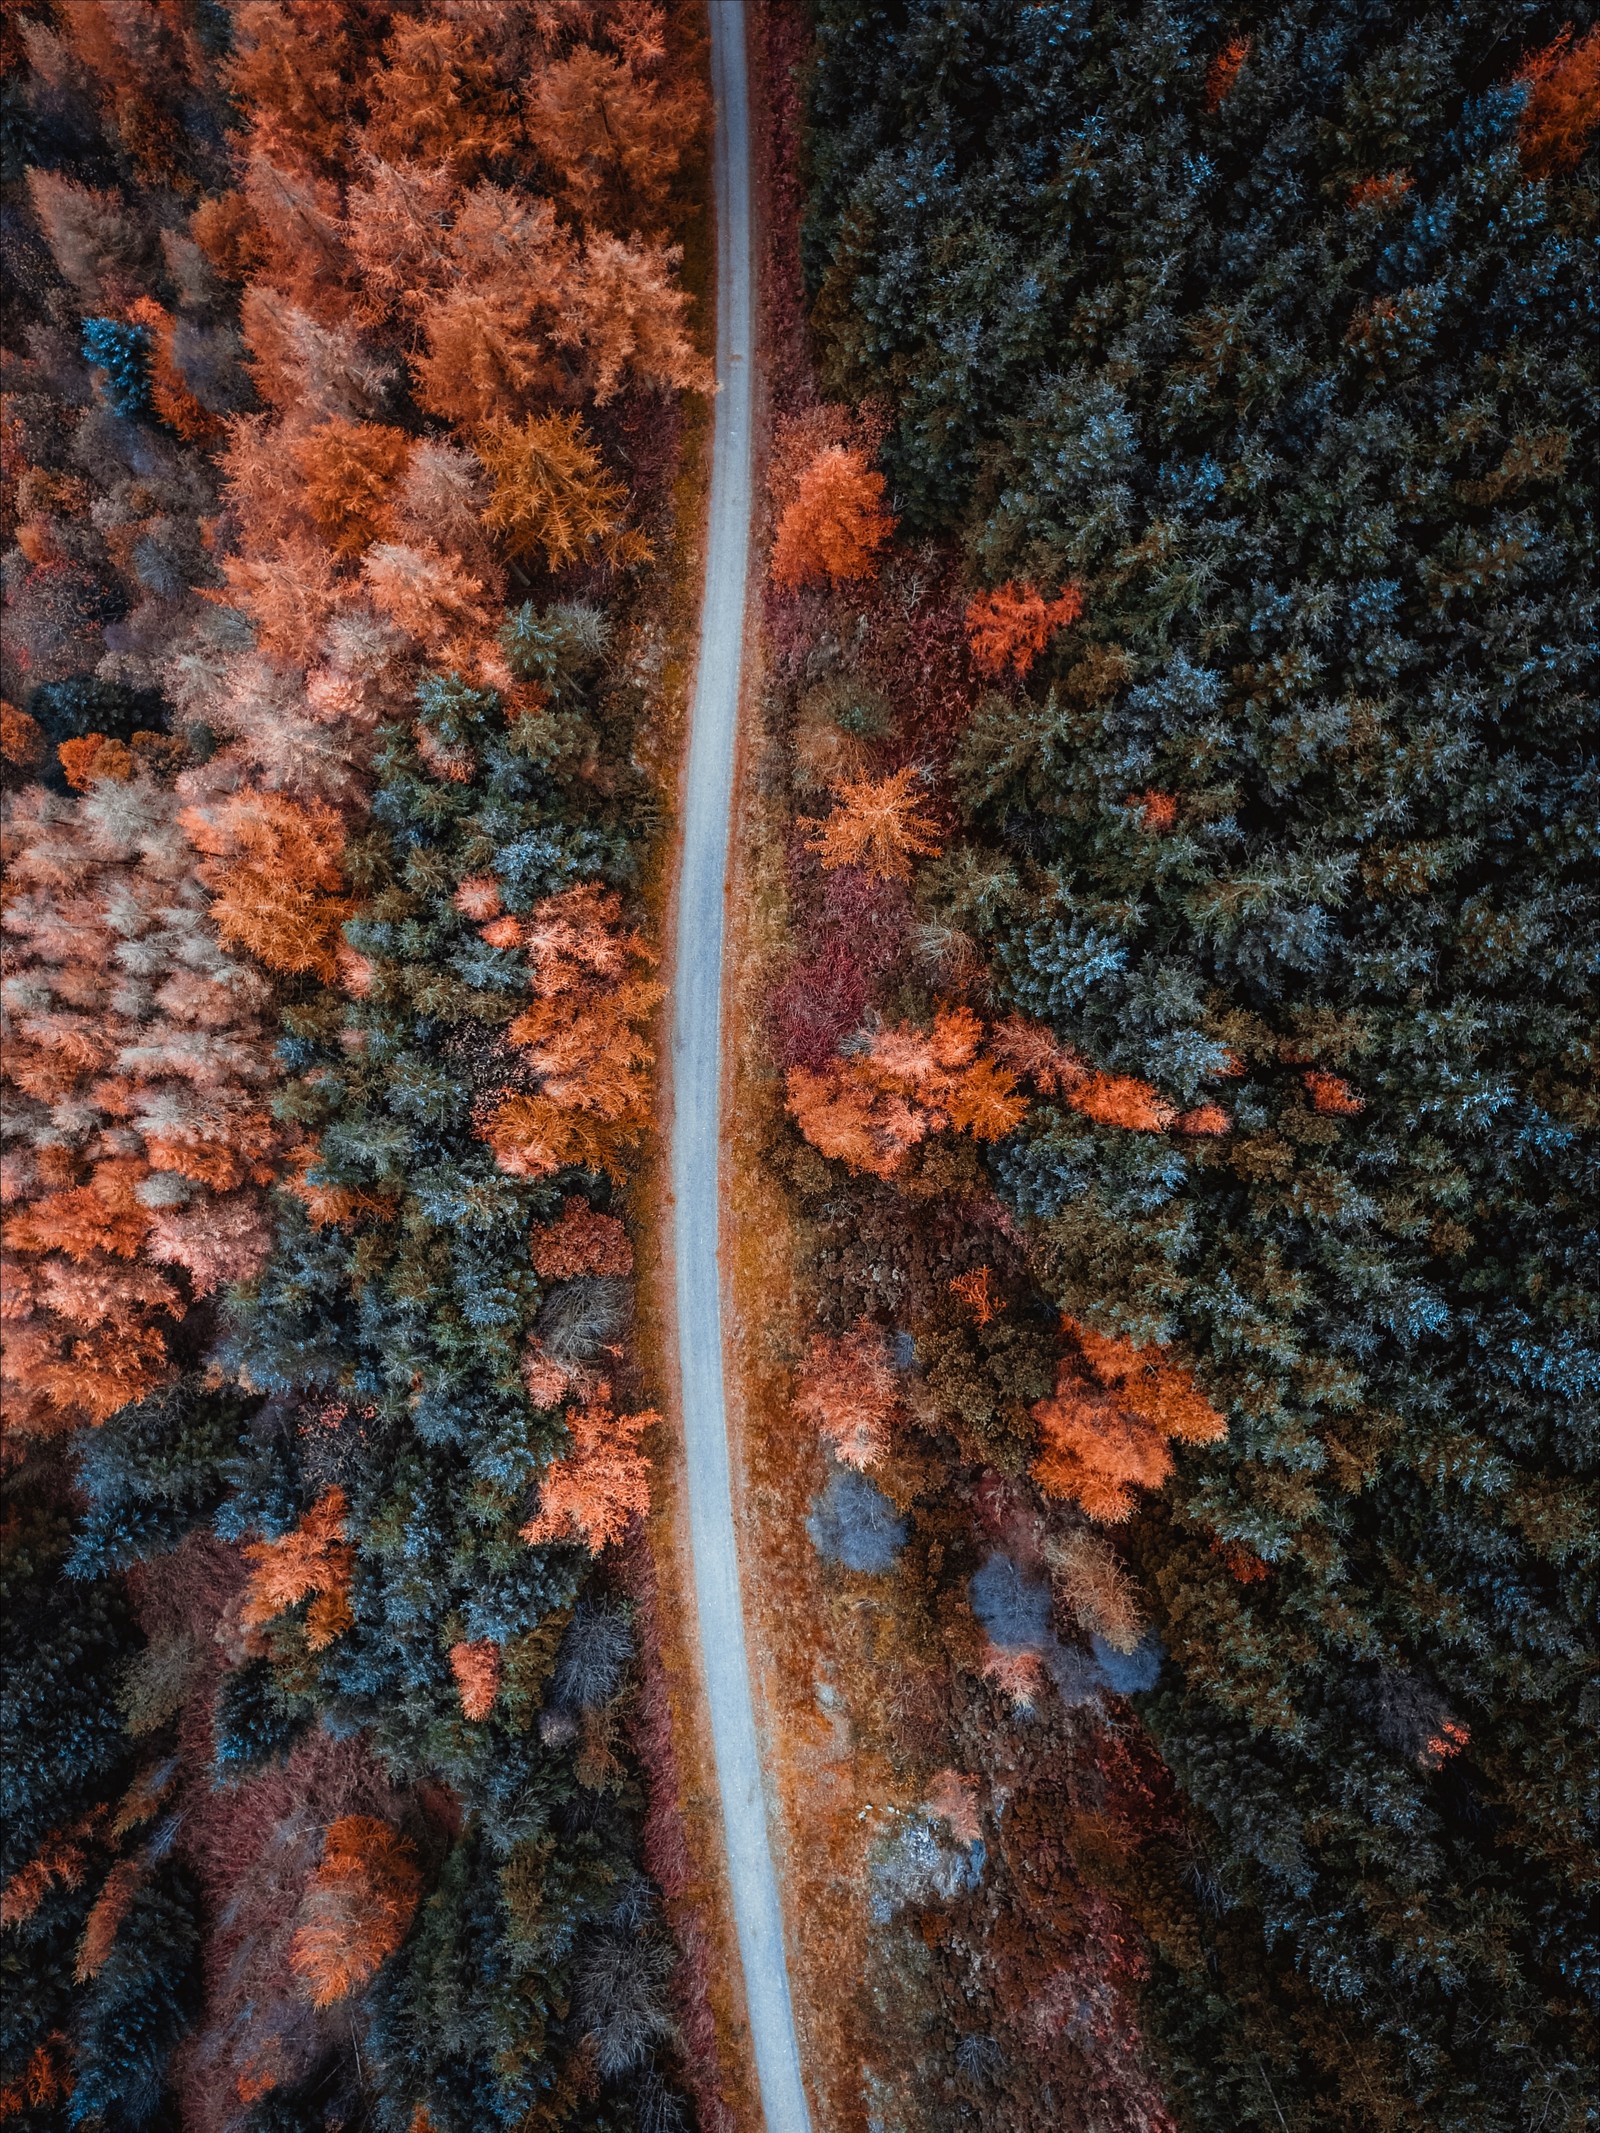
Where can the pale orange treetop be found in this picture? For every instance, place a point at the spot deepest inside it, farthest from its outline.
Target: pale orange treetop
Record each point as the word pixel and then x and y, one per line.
pixel 873 1106
pixel 594 1493
pixel 313 1561
pixel 1103 1432
pixel 274 866
pixel 876 826
pixel 476 1667
pixel 582 1033
pixel 846 1392
pixel 357 1909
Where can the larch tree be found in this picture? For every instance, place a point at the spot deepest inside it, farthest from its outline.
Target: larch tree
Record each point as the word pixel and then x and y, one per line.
pixel 1010 626
pixel 313 1561
pixel 876 824
pixel 846 1391
pixel 874 1105
pixel 125 1017
pixel 551 496
pixel 273 866
pixel 357 1909
pixel 614 127
pixel 1562 110
pixel 582 1036
pixel 594 1492
pixel 833 527
pixel 440 96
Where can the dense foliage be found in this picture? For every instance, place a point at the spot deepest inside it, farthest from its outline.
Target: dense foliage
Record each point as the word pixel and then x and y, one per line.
pixel 342 356
pixel 1267 345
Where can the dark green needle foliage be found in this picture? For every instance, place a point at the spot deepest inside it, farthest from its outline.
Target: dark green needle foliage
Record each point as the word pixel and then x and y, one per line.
pixel 65 1750
pixel 1295 376
pixel 154 1471
pixel 65 1645
pixel 138 2006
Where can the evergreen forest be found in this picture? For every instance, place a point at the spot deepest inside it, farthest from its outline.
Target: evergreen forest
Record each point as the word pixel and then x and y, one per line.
pixel 1233 381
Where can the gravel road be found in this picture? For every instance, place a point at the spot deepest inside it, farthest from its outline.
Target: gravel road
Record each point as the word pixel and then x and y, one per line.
pixel 696 1080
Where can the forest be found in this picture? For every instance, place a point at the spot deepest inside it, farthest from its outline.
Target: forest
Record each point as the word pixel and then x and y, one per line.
pixel 1171 808
pixel 345 357
pixel 1183 645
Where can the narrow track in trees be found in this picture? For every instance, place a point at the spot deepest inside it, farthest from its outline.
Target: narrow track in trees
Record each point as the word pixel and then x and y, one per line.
pixel 696 1136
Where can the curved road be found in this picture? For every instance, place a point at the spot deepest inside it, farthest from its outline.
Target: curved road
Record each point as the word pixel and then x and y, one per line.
pixel 696 1081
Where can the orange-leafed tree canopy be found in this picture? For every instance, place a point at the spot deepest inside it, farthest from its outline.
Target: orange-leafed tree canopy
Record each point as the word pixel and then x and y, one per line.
pixel 552 497
pixel 1011 626
pixel 137 1123
pixel 876 825
pixel 61 1861
pixel 873 1106
pixel 1332 1093
pixel 1103 1432
pixel 276 876
pixel 314 1561
pixel 582 1035
pixel 834 524
pixel 351 471
pixel 977 1291
pixel 104 1921
pixel 1563 106
pixel 582 1242
pixel 476 1667
pixel 1225 70
pixel 846 1392
pixel 1382 189
pixel 439 100
pixel 614 127
pixel 595 1492
pixel 170 396
pixel 1034 1052
pixel 357 1909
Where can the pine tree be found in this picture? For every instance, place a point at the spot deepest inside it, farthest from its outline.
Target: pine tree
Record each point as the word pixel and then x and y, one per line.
pixel 121 354
pixel 143 1997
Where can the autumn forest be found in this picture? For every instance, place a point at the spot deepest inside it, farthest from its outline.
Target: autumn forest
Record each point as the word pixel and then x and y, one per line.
pixel 1160 1137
